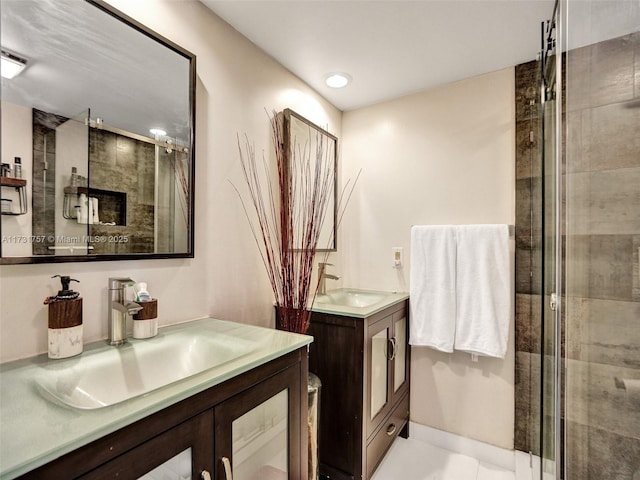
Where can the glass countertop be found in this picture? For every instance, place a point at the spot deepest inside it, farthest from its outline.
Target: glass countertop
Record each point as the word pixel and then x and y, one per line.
pixel 37 429
pixel 353 302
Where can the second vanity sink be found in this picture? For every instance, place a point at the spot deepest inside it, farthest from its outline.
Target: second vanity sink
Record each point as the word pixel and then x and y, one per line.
pixel 110 376
pixel 353 302
pixel 350 298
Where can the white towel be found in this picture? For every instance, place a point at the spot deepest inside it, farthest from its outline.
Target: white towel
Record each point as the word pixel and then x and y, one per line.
pixel 83 211
pixel 433 286
pixel 483 289
pixel 94 210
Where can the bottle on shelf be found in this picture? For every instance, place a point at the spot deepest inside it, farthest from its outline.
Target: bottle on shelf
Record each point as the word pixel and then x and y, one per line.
pixel 7 170
pixel 17 167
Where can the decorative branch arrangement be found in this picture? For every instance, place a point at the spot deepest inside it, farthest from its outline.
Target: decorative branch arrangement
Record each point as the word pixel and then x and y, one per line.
pixel 289 217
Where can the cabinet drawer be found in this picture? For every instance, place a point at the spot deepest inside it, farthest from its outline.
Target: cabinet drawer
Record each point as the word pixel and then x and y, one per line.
pixel 390 429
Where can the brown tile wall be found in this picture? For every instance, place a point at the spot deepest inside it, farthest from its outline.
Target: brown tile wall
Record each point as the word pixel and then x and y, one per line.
pixel 121 164
pixel 602 421
pixel 528 257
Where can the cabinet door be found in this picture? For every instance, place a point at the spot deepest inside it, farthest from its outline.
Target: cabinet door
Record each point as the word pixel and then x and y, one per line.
pixel 400 355
pixel 337 356
pixel 379 348
pixel 257 432
pixel 181 453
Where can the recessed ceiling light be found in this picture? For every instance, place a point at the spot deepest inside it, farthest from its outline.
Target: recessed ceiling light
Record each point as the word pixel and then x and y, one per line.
pixel 11 65
pixel 158 132
pixel 337 80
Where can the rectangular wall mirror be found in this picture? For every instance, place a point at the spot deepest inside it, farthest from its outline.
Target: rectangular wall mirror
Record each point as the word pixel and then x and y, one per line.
pixel 307 142
pixel 97 136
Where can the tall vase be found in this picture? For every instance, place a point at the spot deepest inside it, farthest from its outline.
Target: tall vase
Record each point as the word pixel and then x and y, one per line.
pixel 314 387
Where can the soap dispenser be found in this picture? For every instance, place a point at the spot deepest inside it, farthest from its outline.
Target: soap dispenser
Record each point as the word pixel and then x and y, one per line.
pixel 65 320
pixel 145 321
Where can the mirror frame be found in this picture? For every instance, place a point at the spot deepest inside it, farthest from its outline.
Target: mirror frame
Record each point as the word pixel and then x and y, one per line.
pixel 331 216
pixel 190 253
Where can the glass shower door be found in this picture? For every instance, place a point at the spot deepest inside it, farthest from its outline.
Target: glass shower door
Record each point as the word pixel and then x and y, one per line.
pixel 73 210
pixel 171 200
pixel 591 243
pixel 550 415
pixel 602 229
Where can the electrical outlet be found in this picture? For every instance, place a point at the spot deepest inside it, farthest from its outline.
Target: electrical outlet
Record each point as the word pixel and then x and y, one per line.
pixel 397 257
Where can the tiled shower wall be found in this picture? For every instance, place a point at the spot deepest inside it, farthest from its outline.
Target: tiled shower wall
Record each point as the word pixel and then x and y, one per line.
pixel 117 164
pixel 602 420
pixel 44 171
pixel 528 257
pixel 122 164
pixel 602 177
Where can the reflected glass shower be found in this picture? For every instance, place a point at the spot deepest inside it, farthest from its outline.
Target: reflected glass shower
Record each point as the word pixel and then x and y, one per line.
pixel 171 200
pixel 101 190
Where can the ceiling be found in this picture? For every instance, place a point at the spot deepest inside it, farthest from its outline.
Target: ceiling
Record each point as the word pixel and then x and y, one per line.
pixel 395 47
pixel 99 64
pixel 390 48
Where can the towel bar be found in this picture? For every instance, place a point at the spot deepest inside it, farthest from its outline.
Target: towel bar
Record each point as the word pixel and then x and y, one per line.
pixel 512 229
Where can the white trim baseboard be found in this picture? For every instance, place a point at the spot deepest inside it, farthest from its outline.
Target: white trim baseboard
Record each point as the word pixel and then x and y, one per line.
pixel 528 467
pixel 481 451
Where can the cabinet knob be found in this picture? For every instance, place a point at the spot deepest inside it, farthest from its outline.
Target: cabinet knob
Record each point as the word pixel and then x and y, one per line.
pixel 204 475
pixel 391 429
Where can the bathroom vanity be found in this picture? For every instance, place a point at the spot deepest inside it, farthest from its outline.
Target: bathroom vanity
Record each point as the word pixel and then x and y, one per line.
pixel 360 353
pixel 237 407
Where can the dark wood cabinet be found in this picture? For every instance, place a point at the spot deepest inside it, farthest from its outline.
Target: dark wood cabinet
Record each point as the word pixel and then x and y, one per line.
pixel 253 429
pixel 363 364
pixel 187 444
pixel 254 420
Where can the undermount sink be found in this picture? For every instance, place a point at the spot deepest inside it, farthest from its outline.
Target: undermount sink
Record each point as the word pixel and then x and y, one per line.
pixel 112 375
pixel 350 298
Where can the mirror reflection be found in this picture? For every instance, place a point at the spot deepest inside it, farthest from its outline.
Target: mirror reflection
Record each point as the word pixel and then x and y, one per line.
pixel 307 142
pixel 97 144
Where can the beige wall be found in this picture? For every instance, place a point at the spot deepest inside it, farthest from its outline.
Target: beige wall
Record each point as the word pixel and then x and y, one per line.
pixel 16 142
pixel 236 83
pixel 443 156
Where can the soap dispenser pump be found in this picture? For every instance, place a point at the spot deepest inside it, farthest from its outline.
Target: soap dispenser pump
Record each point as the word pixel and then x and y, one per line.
pixel 65 320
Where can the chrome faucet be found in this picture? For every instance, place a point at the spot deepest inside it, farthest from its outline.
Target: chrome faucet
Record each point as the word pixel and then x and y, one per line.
pixel 119 310
pixel 323 275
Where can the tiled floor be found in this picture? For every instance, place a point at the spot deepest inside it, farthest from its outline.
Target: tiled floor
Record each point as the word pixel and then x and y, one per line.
pixel 415 460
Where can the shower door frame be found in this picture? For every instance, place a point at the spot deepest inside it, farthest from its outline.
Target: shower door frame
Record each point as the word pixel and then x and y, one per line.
pixel 552 50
